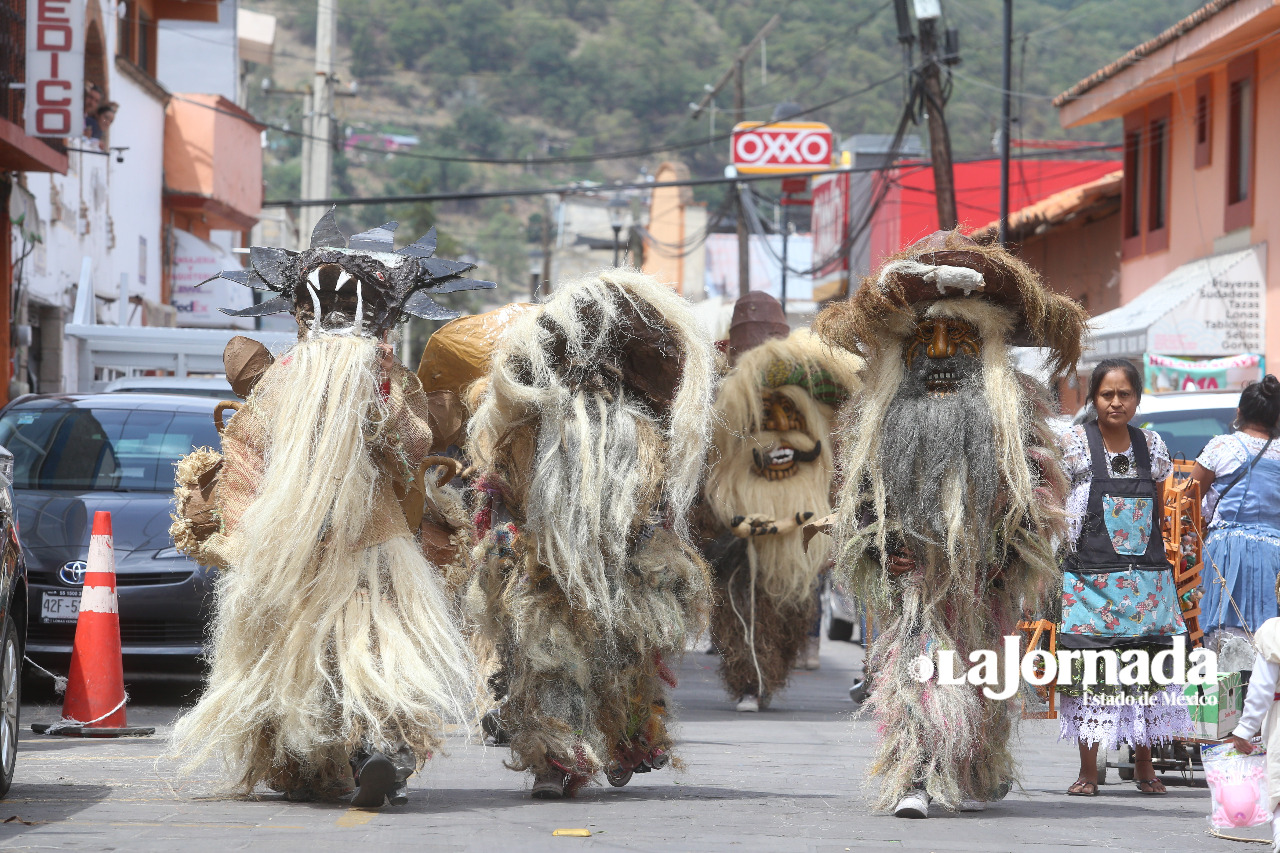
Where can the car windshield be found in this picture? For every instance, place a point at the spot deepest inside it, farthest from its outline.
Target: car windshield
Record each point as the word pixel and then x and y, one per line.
pixel 89 449
pixel 1187 432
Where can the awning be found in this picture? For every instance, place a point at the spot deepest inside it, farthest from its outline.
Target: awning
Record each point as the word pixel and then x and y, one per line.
pixel 1211 307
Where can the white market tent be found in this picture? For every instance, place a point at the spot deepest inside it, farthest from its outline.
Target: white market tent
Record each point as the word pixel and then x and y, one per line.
pixel 1208 308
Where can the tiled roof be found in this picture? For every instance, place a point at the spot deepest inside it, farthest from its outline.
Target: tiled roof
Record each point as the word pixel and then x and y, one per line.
pixel 1143 50
pixel 1057 209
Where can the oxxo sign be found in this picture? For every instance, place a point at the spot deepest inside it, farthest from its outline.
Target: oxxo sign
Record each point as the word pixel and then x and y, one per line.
pixel 780 147
pixel 55 68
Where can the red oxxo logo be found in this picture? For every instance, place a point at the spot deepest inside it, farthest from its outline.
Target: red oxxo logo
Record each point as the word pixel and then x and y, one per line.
pixel 55 69
pixel 785 146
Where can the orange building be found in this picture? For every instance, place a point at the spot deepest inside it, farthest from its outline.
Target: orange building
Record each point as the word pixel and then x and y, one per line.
pixel 672 250
pixel 1199 206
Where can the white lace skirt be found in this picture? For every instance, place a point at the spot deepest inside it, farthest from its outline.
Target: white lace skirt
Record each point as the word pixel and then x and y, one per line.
pixel 1085 719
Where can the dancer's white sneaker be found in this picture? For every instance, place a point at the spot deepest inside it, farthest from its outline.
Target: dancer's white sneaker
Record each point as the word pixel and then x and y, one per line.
pixel 810 654
pixel 749 704
pixel 914 805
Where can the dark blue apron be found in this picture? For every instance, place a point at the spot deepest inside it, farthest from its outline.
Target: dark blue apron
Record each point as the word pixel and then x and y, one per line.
pixel 1118 586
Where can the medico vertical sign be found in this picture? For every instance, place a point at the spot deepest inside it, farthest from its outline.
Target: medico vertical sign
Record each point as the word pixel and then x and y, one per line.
pixel 55 68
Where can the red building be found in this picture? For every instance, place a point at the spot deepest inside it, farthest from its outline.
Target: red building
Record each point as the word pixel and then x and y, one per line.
pixel 909 210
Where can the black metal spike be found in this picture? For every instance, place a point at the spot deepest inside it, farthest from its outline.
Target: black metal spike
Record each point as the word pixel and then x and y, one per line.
pixel 327 233
pixel 238 276
pixel 271 306
pixel 441 268
pixel 423 247
pixel 421 305
pixel 274 266
pixel 454 284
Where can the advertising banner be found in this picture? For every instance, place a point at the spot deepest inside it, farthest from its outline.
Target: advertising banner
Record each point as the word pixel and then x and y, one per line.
pixel 1164 373
pixel 195 260
pixel 55 68
pixel 830 226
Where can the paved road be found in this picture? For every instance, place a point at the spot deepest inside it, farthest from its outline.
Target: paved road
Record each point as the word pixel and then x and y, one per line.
pixel 784 780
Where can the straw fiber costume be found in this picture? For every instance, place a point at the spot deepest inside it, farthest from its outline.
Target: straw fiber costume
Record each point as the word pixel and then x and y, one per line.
pixel 335 656
pixel 592 435
pixel 951 499
pixel 772 470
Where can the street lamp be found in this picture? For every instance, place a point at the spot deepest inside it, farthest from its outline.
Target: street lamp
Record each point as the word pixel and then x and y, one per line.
pixel 618 209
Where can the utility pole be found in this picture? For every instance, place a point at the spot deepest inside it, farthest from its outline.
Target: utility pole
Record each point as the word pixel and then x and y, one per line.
pixel 744 239
pixel 736 72
pixel 1005 99
pixel 927 14
pixel 545 283
pixel 317 153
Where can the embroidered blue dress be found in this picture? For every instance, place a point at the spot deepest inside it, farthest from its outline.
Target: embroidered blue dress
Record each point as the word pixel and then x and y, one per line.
pixel 1242 550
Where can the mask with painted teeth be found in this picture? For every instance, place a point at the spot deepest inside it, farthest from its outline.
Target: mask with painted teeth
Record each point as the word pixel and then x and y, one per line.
pixel 783 460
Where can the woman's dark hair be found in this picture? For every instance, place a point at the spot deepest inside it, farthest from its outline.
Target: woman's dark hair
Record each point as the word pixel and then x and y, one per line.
pixel 1100 372
pixel 1260 403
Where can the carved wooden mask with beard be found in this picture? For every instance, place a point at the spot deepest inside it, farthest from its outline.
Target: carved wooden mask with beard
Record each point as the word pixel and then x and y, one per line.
pixel 783 441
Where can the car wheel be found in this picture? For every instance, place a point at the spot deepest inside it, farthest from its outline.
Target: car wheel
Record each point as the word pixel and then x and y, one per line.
pixel 10 695
pixel 840 630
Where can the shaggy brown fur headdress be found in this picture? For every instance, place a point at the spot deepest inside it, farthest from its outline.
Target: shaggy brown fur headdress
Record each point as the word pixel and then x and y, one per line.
pixel 945 265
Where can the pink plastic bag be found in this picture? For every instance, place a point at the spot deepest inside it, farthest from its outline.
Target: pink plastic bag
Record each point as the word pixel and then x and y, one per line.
pixel 1238 785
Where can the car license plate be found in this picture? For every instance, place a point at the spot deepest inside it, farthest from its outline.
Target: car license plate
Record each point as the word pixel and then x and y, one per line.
pixel 60 605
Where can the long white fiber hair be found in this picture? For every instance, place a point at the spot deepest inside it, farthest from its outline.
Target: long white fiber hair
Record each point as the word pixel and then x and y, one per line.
pixel 603 464
pixel 331 627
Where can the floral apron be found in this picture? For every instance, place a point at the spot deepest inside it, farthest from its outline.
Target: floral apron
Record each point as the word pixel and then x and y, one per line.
pixel 1118 585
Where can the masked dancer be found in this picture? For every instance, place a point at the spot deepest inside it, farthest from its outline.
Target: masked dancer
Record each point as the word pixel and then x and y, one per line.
pixel 951 499
pixel 771 472
pixel 592 435
pixel 335 656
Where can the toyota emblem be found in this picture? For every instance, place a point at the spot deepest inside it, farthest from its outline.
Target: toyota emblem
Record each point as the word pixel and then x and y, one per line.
pixel 72 574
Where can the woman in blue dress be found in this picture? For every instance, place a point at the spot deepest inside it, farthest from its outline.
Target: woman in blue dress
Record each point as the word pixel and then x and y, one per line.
pixel 1242 549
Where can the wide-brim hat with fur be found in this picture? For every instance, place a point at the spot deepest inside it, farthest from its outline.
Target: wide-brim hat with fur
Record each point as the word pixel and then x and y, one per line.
pixel 949 265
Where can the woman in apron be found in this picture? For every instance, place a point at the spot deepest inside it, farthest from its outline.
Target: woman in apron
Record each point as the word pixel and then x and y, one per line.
pixel 1118 587
pixel 1242 551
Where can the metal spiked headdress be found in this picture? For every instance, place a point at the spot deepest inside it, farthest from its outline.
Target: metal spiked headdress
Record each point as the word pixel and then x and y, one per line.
pixel 388 284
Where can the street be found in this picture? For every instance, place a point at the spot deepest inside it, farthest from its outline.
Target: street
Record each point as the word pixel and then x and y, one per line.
pixel 783 780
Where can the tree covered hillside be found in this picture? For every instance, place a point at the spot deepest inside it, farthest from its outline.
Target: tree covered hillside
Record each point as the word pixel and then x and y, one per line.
pixel 532 79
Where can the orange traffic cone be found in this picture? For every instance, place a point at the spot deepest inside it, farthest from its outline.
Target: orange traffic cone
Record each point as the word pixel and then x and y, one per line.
pixel 95 698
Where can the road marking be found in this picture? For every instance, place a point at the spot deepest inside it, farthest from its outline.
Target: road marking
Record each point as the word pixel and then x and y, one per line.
pixel 355 817
pixel 28 757
pixel 193 825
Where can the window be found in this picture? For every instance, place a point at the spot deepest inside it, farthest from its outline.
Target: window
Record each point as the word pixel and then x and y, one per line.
pixel 125 25
pixel 1144 203
pixel 1204 121
pixel 1240 147
pixel 95 449
pixel 1155 221
pixel 1157 175
pixel 1133 185
pixel 146 36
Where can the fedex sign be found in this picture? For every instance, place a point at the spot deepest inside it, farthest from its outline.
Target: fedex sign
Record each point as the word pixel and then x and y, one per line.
pixel 781 147
pixel 55 68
